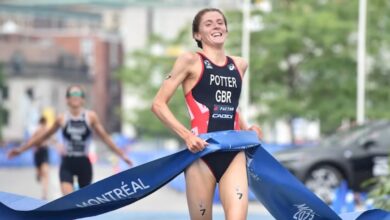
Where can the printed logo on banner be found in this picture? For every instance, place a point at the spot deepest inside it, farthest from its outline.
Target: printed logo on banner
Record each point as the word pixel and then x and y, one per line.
pixel 122 192
pixel 304 213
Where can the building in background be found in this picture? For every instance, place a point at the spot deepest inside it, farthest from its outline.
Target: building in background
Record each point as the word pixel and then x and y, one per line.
pixel 101 54
pixel 37 74
pixel 79 31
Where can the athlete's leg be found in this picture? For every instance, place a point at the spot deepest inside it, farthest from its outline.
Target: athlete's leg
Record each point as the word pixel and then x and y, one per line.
pixel 84 173
pixel 37 164
pixel 66 177
pixel 233 188
pixel 44 177
pixel 38 176
pixel 200 186
pixel 66 188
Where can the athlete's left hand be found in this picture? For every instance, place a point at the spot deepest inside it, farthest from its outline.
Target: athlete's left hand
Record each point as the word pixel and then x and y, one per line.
pixel 258 131
pixel 13 153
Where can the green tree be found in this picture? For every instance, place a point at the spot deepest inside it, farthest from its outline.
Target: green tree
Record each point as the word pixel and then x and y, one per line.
pixel 303 64
pixel 378 46
pixel 304 61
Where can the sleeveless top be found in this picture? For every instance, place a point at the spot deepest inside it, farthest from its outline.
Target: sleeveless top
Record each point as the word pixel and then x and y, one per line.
pixel 212 103
pixel 76 134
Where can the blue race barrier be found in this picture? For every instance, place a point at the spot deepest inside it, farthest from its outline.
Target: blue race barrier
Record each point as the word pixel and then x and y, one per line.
pixel 279 191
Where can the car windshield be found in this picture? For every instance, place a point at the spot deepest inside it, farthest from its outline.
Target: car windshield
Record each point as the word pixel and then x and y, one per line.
pixel 345 138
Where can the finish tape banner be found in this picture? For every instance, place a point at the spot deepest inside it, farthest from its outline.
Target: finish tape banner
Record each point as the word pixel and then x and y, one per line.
pixel 278 190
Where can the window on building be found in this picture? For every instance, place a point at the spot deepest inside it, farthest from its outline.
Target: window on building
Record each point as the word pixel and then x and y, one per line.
pixel 4 93
pixel 17 62
pixel 4 116
pixel 30 93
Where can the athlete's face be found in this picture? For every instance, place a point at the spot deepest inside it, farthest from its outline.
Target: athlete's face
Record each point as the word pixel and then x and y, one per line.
pixel 75 97
pixel 212 29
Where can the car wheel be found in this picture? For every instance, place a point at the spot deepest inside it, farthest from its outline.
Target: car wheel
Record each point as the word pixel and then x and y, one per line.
pixel 323 181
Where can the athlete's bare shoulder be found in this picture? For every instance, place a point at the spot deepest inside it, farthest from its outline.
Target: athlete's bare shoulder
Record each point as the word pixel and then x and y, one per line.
pixel 188 61
pixel 91 115
pixel 185 65
pixel 188 58
pixel 241 63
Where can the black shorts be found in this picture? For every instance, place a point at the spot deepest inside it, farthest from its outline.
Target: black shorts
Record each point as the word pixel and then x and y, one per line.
pixel 41 156
pixel 219 162
pixel 80 167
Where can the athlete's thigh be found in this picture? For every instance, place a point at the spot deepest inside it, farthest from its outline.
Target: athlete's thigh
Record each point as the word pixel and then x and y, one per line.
pixel 65 174
pixel 84 173
pixel 233 188
pixel 200 186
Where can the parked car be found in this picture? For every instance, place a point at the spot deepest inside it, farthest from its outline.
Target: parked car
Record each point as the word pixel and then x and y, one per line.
pixel 355 155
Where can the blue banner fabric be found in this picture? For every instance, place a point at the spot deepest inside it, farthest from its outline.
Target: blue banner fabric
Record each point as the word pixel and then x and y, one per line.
pixel 280 192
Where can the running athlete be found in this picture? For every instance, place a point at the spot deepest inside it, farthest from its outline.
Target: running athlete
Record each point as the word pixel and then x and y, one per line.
pixel 76 125
pixel 41 158
pixel 212 84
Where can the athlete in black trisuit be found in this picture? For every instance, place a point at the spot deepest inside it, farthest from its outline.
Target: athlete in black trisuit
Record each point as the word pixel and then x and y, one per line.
pixel 76 126
pixel 41 158
pixel 212 84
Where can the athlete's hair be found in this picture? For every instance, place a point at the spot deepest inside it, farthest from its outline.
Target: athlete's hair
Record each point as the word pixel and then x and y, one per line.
pixel 75 86
pixel 42 120
pixel 198 18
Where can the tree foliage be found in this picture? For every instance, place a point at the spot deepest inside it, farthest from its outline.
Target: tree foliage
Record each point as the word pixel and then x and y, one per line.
pixel 304 61
pixel 378 46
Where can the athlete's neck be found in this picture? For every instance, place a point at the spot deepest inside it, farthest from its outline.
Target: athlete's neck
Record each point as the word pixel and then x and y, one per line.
pixel 75 111
pixel 217 56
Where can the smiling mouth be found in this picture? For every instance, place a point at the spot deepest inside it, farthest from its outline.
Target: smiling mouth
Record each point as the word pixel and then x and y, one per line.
pixel 216 35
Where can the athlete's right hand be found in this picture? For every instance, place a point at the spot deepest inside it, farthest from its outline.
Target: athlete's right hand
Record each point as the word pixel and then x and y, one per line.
pixel 194 143
pixel 13 153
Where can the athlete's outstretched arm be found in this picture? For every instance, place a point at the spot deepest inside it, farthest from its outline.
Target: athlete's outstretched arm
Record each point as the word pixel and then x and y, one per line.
pixel 40 131
pixel 98 127
pixel 36 139
pixel 180 71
